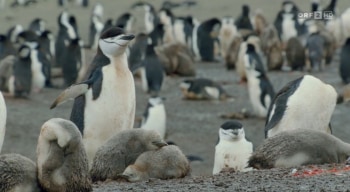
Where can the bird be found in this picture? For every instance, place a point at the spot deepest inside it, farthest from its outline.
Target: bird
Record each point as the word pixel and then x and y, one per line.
pixel 232 149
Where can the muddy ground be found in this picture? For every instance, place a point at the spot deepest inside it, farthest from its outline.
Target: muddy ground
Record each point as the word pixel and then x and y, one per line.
pixel 193 125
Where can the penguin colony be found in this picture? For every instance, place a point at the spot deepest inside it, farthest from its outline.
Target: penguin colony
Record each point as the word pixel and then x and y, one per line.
pixel 101 142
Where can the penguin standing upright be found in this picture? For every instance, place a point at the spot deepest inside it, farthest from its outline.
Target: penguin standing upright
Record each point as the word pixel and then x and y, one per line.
pixel 226 35
pixel 151 19
pixel 125 21
pixel 154 117
pixel 232 150
pixel 138 51
pixel 73 62
pixel 96 26
pixel 205 39
pixel 152 74
pixel 37 25
pixel 315 45
pixel 243 22
pixel 344 62
pixel 6 47
pixel 260 88
pixel 105 102
pixel 293 108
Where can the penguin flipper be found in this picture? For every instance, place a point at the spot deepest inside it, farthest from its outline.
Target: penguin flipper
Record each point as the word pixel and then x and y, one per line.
pixel 70 93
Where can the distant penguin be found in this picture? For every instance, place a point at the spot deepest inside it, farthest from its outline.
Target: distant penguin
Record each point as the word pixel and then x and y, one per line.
pixel 232 150
pixel 62 162
pixel 203 89
pixel 20 82
pixel 205 39
pixel 260 88
pixel 344 69
pixel 109 91
pixel 227 33
pixel 288 27
pixel 151 19
pixel 231 57
pixel 3 117
pixel 66 31
pixel 243 21
pixel 138 51
pixel 38 26
pixel 167 18
pixel 6 47
pixel 39 77
pixel 293 102
pixel 47 45
pixel 13 32
pixel 331 7
pixel 315 51
pixel 166 163
pixel 152 73
pixel 123 149
pixel 83 3
pixel 295 53
pixel 154 117
pixel 125 21
pixel 108 24
pixel 299 147
pixel 18 173
pixel 73 57
pixel 286 21
pixel 96 26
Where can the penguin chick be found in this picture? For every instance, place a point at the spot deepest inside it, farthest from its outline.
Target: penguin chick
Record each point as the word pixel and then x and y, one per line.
pixel 299 147
pixel 260 88
pixel 166 163
pixel 18 173
pixel 232 150
pixel 62 161
pixel 123 149
pixel 203 89
pixel 293 108
pixel 154 117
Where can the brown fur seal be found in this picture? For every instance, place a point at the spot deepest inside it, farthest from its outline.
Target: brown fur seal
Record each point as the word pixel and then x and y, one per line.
pixel 122 150
pixel 62 161
pixel 299 147
pixel 18 174
pixel 166 163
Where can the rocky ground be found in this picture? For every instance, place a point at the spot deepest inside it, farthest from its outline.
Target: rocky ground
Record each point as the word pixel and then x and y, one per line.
pixel 193 125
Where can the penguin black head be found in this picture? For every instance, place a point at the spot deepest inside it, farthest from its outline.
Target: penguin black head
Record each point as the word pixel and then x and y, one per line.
pixel 186 84
pixel 245 10
pixel 27 36
pixel 24 52
pixel 47 35
pixel 250 48
pixel 231 130
pixel 113 42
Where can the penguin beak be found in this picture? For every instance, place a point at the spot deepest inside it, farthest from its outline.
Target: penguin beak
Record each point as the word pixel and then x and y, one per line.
pixel 123 40
pixel 159 144
pixel 127 37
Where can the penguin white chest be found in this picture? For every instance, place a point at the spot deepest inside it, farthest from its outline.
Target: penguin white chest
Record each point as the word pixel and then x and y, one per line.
pixel 179 32
pixel 254 96
pixel 288 28
pixel 38 77
pixel 156 120
pixel 234 154
pixel 112 111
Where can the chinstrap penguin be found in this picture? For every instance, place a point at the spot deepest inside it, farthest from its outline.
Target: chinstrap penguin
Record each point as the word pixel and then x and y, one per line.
pixel 294 108
pixel 232 150
pixel 154 117
pixel 105 102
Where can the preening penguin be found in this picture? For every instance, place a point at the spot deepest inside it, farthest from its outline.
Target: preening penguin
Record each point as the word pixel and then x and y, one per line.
pixel 202 89
pixel 123 149
pixel 18 174
pixel 232 150
pixel 154 117
pixel 299 147
pixel 166 163
pixel 344 69
pixel 293 108
pixel 3 117
pixel 260 88
pixel 62 162
pixel 105 102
